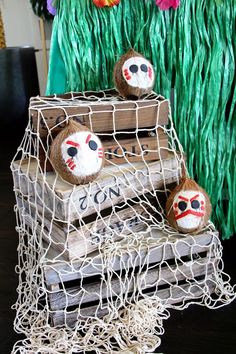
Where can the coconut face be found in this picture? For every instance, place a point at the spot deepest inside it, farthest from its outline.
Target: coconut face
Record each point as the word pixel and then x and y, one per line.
pixel 138 72
pixel 189 210
pixel 77 154
pixel 82 153
pixel 133 75
pixel 188 207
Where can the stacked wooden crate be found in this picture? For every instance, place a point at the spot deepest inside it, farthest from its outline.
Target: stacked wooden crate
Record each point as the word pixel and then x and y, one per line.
pixel 125 177
pixel 174 280
pixel 59 204
pixel 133 122
pixel 77 221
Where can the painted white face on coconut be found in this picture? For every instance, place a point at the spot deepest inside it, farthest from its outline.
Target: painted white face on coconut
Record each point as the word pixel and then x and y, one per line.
pixel 82 153
pixel 138 72
pixel 189 209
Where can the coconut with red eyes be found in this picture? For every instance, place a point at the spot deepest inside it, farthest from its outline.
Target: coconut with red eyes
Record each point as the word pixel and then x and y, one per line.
pixel 77 154
pixel 188 207
pixel 133 75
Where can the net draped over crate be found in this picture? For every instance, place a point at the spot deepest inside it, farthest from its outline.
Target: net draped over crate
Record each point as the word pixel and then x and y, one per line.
pixel 99 267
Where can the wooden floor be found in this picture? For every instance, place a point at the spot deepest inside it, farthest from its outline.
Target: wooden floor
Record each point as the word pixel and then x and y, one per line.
pixel 196 330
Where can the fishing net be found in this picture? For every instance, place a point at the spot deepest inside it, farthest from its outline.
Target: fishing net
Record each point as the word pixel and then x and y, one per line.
pixel 192 50
pixel 99 266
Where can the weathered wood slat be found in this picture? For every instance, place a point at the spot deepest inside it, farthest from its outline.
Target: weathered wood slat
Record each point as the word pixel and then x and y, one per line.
pixel 60 318
pixel 162 249
pixel 90 237
pixel 169 296
pixel 99 116
pixel 163 275
pixel 133 150
pixel 114 185
pixel 82 240
pixel 122 150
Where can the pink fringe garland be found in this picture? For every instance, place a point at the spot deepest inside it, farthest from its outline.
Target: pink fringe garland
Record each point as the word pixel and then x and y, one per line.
pixel 167 4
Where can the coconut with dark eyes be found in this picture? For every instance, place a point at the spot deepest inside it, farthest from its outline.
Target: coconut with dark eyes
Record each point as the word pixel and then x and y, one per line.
pixel 77 154
pixel 134 76
pixel 188 207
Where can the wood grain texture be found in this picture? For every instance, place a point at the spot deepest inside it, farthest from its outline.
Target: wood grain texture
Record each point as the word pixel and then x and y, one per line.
pixel 169 296
pixel 50 115
pixel 114 185
pixel 142 149
pixel 162 275
pixel 119 150
pixel 161 250
pixel 75 242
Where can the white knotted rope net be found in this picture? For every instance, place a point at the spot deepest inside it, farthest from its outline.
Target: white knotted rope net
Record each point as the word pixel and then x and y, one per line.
pixel 99 266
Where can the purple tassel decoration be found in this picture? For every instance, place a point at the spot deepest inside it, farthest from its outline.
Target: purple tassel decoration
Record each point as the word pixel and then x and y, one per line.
pixel 50 7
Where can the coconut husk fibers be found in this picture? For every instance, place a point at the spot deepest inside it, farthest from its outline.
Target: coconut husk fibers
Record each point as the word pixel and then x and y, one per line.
pixel 186 185
pixel 57 160
pixel 121 84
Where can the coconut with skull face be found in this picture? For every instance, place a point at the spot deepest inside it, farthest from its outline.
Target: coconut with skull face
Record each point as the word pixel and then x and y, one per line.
pixel 188 207
pixel 77 154
pixel 133 75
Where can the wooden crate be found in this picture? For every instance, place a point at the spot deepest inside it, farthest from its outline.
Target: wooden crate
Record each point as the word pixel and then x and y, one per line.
pixel 79 240
pixel 147 148
pixel 114 185
pixel 101 112
pixel 173 279
pixel 85 235
pixel 181 268
pixel 130 148
pixel 105 113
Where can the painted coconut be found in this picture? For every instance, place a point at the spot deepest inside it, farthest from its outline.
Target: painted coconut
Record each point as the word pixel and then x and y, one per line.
pixel 188 207
pixel 77 154
pixel 133 75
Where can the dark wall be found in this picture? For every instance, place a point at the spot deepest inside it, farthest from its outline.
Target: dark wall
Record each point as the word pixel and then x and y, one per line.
pixel 18 82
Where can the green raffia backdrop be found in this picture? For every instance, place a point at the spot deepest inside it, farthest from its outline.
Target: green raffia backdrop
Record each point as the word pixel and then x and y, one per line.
pixel 193 51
